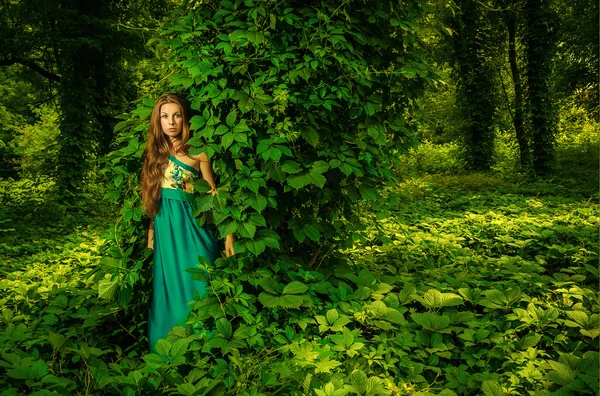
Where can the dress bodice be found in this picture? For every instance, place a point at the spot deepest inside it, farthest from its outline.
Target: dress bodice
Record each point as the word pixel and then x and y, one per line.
pixel 179 175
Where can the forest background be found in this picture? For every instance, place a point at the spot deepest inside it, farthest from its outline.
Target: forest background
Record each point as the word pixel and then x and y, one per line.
pixel 413 186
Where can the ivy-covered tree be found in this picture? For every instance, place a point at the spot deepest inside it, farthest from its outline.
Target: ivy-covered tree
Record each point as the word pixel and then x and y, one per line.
pixel 540 32
pixel 511 12
pixel 475 82
pixel 304 109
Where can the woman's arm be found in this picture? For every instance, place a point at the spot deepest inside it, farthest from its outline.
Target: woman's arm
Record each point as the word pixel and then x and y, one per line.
pixel 207 172
pixel 229 246
pixel 151 235
pixel 209 176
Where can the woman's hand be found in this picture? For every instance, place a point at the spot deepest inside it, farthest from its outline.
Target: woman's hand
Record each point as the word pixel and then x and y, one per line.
pixel 229 246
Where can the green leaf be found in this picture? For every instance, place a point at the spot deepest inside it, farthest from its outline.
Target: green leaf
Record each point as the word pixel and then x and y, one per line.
pixel 406 294
pixel 312 232
pixel 332 315
pixel 179 348
pixel 326 366
pixel 227 140
pixel 257 202
pixel 224 328
pixel 57 340
pixel 298 181
pixel 581 318
pixel 221 130
pixel 295 287
pixel 310 135
pixel 270 285
pixel 231 118
pixel 358 379
pixel 256 37
pixel 394 316
pixel 530 340
pixel 368 193
pixel 291 301
pixel 186 389
pixel 38 369
pixel 320 167
pixel 268 300
pixel 107 287
pixel 246 230
pixel 163 347
pixel 334 163
pixel 431 321
pixel 561 374
pixel 285 301
pixel 435 299
pixel 492 388
pixel 317 179
pixel 202 186
pixel 204 202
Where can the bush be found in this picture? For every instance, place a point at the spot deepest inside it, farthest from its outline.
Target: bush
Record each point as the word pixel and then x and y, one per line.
pixel 37 144
pixel 578 139
pixel 506 153
pixel 430 158
pixel 299 106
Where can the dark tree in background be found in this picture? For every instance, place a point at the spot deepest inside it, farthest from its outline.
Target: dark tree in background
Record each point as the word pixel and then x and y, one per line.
pixel 511 10
pixel 86 46
pixel 534 53
pixel 540 40
pixel 475 87
pixel 86 50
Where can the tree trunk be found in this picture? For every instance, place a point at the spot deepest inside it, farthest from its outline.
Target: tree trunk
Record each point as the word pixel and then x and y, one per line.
pixel 539 48
pixel 524 154
pixel 475 94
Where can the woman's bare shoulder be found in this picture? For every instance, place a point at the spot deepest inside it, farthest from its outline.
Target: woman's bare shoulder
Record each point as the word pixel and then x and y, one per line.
pixel 199 157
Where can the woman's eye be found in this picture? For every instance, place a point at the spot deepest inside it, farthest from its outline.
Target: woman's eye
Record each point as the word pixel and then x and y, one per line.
pixel 164 116
pixel 178 115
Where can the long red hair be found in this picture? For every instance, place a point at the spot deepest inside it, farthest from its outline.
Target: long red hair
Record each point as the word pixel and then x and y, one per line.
pixel 157 150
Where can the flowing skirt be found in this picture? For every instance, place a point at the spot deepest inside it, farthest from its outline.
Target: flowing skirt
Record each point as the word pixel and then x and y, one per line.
pixel 178 241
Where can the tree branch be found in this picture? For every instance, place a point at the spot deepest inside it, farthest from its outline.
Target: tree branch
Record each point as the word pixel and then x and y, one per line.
pixel 32 66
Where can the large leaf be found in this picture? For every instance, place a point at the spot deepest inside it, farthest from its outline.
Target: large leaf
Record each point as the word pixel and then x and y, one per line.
pixel 436 299
pixel 107 287
pixel 492 388
pixel 295 288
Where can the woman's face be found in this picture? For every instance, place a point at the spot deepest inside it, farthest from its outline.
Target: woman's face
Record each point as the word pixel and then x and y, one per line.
pixel 171 119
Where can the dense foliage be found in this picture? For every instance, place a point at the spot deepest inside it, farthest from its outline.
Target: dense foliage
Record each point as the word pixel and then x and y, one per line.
pixel 359 269
pixel 273 137
pixel 480 286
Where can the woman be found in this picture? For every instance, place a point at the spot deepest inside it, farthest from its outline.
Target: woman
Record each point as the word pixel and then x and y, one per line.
pixel 168 175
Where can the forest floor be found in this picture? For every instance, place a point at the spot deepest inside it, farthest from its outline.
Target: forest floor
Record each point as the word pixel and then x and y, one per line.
pixel 529 248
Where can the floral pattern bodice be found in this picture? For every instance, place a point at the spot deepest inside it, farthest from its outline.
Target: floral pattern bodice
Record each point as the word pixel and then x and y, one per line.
pixel 179 175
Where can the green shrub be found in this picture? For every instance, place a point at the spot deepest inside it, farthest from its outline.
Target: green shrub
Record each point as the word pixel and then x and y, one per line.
pixel 506 153
pixel 578 139
pixel 37 144
pixel 300 107
pixel 430 158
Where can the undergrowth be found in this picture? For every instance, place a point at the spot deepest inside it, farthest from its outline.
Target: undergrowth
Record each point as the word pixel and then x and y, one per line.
pixel 475 284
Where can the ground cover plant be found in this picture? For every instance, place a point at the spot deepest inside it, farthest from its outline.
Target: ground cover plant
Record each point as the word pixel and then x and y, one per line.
pixel 474 285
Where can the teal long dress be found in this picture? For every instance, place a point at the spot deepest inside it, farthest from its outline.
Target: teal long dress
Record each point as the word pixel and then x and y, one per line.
pixel 178 241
